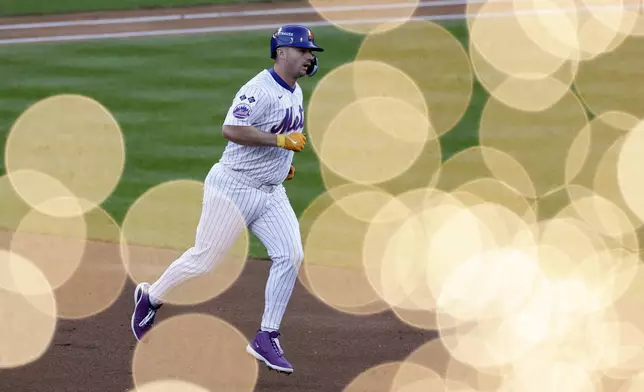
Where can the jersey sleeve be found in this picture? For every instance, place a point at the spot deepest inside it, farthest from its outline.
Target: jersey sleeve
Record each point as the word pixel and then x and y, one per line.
pixel 248 107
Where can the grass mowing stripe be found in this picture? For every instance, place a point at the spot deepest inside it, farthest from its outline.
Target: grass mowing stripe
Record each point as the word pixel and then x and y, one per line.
pixel 170 96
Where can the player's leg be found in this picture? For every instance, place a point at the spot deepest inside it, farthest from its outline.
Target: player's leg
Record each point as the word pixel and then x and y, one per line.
pixel 279 231
pixel 227 206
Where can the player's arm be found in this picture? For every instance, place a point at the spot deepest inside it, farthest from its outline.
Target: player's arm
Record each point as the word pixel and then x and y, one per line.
pixel 251 136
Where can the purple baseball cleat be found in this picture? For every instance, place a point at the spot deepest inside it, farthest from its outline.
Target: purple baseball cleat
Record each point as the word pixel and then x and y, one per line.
pixel 144 312
pixel 266 348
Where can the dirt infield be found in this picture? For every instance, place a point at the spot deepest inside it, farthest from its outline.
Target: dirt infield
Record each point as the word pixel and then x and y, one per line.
pixel 328 348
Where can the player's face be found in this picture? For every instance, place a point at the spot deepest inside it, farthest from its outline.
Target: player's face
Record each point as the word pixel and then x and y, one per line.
pixel 298 60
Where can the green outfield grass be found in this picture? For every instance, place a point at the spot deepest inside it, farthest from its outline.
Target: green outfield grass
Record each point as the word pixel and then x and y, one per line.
pixel 170 96
pixel 39 7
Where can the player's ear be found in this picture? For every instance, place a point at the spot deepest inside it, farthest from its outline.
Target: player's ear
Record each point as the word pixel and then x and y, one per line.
pixel 281 53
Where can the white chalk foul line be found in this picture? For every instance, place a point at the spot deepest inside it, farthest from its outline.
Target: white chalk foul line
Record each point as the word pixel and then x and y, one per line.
pixel 272 26
pixel 236 14
pixel 201 30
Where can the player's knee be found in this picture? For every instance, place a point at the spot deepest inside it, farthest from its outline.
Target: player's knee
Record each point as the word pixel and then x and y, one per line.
pixel 198 268
pixel 295 257
pixel 201 262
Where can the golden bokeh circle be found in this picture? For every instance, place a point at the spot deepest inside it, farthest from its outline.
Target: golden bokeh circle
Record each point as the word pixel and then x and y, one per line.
pixel 524 90
pixel 611 82
pixel 28 310
pixel 593 144
pixel 464 237
pixel 421 173
pixel 606 181
pixel 365 16
pixel 552 25
pixel 352 84
pixel 413 377
pixel 332 93
pixel 170 385
pixel 603 216
pixel 498 342
pixel 409 124
pixel 394 256
pixel 436 360
pixel 602 30
pixel 14 210
pixel 635 383
pixel 551 203
pixel 551 376
pixel 625 16
pixel 352 140
pixel 526 136
pixel 71 138
pixel 628 358
pixel 379 81
pixel 446 249
pixel 99 279
pixel 55 244
pixel 448 88
pixel 629 164
pixel 576 242
pixel 319 205
pixel 410 260
pixel 402 266
pixel 431 355
pixel 325 267
pixel 418 284
pixel 46 194
pixel 362 205
pixel 633 14
pixel 507 45
pixel 479 162
pixel 492 284
pixel 378 378
pixel 496 192
pixel 182 347
pixel 161 225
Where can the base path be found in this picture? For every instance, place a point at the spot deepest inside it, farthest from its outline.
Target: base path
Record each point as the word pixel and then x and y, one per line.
pixel 199 20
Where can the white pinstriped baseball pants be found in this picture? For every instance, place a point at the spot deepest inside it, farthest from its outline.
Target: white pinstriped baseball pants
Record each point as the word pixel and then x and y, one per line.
pixel 268 215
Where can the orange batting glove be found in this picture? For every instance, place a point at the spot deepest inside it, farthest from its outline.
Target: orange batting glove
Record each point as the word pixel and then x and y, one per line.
pixel 291 173
pixel 294 141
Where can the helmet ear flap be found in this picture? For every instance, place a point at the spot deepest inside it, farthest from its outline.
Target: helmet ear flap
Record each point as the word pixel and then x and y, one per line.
pixel 313 67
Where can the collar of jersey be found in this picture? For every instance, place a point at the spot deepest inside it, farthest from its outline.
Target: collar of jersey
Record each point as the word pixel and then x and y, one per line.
pixel 280 81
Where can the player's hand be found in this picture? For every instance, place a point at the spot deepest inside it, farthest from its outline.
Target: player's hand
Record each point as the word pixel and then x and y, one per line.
pixel 291 173
pixel 294 141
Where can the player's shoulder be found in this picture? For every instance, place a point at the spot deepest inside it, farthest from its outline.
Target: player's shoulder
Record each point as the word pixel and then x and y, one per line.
pixel 252 97
pixel 259 83
pixel 253 91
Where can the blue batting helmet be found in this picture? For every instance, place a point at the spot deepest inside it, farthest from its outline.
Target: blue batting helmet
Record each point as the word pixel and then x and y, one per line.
pixel 297 36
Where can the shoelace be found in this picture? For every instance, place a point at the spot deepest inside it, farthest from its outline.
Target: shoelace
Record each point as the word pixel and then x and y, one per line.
pixel 276 345
pixel 148 319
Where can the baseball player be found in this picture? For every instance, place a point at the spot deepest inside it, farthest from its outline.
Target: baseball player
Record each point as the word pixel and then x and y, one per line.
pixel 264 127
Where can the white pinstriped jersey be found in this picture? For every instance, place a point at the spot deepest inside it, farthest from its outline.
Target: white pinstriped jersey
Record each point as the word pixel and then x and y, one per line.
pixel 268 103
